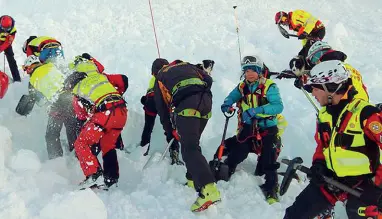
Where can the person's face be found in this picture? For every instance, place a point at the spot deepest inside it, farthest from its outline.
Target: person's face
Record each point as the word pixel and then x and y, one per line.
pixel 251 75
pixel 320 95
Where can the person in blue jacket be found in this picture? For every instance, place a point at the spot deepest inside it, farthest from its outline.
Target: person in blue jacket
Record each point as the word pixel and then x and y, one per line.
pixel 258 101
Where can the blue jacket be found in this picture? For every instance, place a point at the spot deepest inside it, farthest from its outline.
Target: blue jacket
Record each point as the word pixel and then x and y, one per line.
pixel 274 107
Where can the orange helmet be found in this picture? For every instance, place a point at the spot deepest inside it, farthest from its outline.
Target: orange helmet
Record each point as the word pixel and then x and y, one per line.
pixel 281 17
pixel 6 23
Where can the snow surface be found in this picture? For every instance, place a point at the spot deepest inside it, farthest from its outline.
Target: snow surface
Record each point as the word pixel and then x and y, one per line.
pixel 119 34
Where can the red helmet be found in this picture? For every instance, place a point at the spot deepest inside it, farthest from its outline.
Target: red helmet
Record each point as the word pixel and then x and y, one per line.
pixel 6 23
pixel 281 17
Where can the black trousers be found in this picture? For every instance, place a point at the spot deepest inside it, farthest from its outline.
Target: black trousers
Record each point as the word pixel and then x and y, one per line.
pixel 12 63
pixel 147 129
pixel 238 152
pixel 311 202
pixel 198 169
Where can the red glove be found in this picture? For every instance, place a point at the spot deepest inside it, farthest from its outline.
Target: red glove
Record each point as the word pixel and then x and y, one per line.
pixel 175 135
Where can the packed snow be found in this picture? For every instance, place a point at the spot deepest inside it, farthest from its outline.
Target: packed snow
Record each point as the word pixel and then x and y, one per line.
pixel 119 34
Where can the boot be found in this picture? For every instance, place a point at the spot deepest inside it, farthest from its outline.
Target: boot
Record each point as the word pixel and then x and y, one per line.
pixel 271 195
pixel 208 196
pixel 110 182
pixel 93 181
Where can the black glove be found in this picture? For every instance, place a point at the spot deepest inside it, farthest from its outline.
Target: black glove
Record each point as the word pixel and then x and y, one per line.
pixel 318 170
pixel 143 100
pixel 86 56
pixel 297 65
pixel 379 105
pixel 304 35
pixel 298 83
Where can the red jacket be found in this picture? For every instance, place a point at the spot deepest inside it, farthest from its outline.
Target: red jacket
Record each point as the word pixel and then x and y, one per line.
pixel 8 41
pixel 119 81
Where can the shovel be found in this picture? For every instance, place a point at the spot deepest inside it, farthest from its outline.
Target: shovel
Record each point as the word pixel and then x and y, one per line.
pixel 220 169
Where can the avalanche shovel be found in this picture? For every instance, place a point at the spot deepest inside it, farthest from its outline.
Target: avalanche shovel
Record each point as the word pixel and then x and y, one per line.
pixel 149 161
pixel 220 169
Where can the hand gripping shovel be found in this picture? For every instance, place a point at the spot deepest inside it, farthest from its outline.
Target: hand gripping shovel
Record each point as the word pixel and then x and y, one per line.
pixel 220 169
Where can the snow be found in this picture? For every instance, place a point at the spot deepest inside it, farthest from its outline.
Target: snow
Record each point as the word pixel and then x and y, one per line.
pixel 119 34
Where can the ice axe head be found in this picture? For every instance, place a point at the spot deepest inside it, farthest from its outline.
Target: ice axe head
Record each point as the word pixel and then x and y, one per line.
pixel 284 32
pixel 289 173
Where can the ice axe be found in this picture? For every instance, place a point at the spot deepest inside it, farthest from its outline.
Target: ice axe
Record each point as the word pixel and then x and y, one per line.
pixel 368 197
pixel 220 169
pixel 287 35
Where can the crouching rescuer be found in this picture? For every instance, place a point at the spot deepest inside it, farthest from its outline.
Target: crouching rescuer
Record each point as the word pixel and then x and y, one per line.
pixel 107 117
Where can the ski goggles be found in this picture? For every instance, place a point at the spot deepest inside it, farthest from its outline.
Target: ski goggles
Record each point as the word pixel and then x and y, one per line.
pixel 315 57
pixel 255 68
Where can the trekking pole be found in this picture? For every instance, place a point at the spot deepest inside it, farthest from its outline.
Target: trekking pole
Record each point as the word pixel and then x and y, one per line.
pixel 237 31
pixel 155 33
pixel 161 157
pixel 310 100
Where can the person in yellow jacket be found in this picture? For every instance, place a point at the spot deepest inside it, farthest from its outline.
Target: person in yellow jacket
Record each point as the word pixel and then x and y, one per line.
pixel 46 83
pixel 107 116
pixel 44 47
pixel 348 137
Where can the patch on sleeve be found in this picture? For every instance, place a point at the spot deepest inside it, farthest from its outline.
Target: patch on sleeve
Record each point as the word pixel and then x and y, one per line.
pixel 375 127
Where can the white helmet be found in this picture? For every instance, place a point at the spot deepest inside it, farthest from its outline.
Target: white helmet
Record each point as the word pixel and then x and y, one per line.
pixel 332 71
pixel 30 61
pixel 314 49
pixel 252 61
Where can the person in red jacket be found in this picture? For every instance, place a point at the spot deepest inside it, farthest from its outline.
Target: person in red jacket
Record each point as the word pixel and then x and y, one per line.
pixel 349 141
pixel 7 35
pixel 119 81
pixel 100 97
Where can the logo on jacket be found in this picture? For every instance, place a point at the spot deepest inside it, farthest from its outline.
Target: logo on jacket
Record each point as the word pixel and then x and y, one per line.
pixel 375 127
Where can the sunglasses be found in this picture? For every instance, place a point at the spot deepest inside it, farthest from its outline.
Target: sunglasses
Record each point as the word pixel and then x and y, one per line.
pixel 309 88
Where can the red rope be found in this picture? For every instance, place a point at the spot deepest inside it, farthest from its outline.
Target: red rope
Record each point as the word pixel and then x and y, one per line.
pixel 155 33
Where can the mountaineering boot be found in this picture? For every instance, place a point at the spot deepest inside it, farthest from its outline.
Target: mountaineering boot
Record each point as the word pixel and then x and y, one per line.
pixel 93 181
pixel 271 195
pixel 208 196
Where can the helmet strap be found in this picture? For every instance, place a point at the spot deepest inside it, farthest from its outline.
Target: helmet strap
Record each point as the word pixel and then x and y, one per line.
pixel 330 96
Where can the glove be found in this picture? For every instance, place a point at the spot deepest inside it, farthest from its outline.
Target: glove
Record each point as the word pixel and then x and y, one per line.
pixel 225 108
pixel 298 83
pixel 86 56
pixel 252 113
pixel 304 35
pixel 143 100
pixel 175 135
pixel 297 65
pixel 318 170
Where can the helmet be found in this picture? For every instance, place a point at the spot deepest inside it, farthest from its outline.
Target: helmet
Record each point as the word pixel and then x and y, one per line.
pixel 252 62
pixel 331 75
pixel 31 60
pixel 316 51
pixel 281 17
pixel 27 42
pixel 6 23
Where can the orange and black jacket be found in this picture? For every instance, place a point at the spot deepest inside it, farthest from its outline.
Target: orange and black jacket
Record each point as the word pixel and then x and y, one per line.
pixel 167 97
